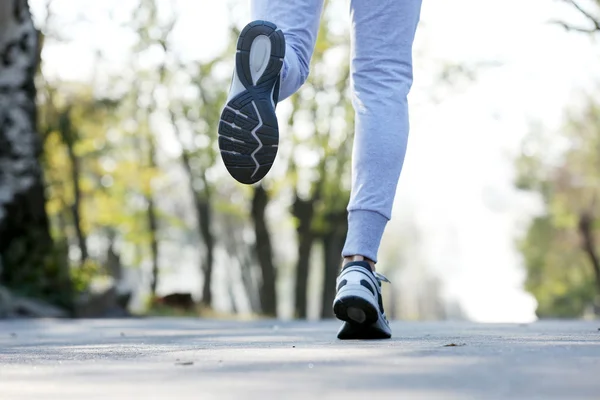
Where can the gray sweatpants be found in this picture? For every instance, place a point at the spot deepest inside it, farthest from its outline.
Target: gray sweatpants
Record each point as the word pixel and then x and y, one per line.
pixel 381 76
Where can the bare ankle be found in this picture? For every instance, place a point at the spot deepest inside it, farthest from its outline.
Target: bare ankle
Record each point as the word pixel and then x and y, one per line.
pixel 360 258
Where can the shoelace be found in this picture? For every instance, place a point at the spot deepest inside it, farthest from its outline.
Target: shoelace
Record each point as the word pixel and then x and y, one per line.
pixel 381 277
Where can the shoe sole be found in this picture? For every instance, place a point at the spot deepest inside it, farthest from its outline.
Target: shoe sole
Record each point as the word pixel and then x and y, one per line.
pixel 362 317
pixel 248 129
pixel 363 332
pixel 355 310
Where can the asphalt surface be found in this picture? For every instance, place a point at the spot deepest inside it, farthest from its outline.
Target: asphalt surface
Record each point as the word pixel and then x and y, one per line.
pixel 199 359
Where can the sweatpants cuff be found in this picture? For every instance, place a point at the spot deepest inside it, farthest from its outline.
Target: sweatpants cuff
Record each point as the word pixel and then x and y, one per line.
pixel 365 229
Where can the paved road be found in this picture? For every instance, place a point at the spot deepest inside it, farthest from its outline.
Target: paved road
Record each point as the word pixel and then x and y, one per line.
pixel 196 359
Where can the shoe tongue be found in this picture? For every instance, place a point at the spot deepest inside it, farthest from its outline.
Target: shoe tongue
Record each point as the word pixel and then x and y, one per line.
pixel 364 264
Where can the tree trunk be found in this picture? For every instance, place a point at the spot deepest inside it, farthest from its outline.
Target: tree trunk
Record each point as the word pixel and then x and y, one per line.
pixel 586 222
pixel 249 282
pixel 264 252
pixel 26 249
pixel 204 212
pixel 76 207
pixel 152 230
pixel 333 244
pixel 152 221
pixel 203 217
pixel 239 252
pixel 113 259
pixel 69 138
pixel 303 210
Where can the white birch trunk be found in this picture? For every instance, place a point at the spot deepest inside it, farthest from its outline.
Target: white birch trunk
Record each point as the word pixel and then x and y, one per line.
pixel 25 242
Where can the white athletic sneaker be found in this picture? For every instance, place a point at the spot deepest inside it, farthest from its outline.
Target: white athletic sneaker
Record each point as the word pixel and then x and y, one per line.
pixel 248 130
pixel 359 304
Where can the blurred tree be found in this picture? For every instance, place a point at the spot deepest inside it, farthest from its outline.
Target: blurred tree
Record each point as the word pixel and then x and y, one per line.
pixel 200 118
pixel 26 248
pixel 264 251
pixel 561 247
pixel 151 35
pixel 70 137
pixel 590 11
pixel 99 154
pixel 73 123
pixel 233 241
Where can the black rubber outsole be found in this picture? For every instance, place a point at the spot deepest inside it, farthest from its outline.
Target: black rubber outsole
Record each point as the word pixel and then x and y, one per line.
pixel 362 332
pixel 341 306
pixel 355 330
pixel 248 130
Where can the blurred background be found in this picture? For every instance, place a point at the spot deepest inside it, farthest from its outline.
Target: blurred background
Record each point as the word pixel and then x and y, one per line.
pixel 496 219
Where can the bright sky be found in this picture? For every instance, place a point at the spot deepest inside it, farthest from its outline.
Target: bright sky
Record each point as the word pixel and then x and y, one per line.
pixel 457 181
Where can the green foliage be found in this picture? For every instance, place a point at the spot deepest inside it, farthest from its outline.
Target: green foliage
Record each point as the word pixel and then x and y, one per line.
pixel 558 274
pixel 98 172
pixel 82 276
pixel 560 271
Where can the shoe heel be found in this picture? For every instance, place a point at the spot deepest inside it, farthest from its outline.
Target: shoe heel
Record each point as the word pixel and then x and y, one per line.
pixel 353 307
